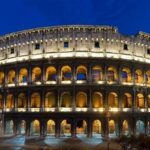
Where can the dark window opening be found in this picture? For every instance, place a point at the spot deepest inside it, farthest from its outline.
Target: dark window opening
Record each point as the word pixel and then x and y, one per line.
pixel 66 44
pixel 148 51
pixel 12 51
pixel 37 46
pixel 97 45
pixel 125 47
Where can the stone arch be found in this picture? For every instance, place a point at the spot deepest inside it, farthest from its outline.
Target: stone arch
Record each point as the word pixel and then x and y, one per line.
pixel 66 73
pixel 51 127
pixel 50 99
pixel 112 127
pixel 65 127
pixel 125 127
pixel 96 127
pixel 11 77
pixel 81 72
pixel 35 100
pixel 66 99
pixel 97 100
pixel 112 100
pixel 140 127
pixel 9 127
pixel 112 74
pixel 51 73
pixel 23 75
pixel 21 127
pixel 22 100
pixel 2 77
pixel 35 127
pixel 139 76
pixel 127 100
pixel 81 127
pixel 36 74
pixel 97 73
pixel 10 101
pixel 126 75
pixel 81 99
pixel 140 100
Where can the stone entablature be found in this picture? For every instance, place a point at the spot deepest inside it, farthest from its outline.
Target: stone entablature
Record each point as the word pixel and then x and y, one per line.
pixel 81 40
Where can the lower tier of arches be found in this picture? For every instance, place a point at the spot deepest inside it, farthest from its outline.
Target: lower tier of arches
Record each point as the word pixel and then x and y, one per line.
pixel 72 127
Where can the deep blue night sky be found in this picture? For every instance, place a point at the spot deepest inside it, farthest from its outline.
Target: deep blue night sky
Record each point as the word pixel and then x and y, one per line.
pixel 130 16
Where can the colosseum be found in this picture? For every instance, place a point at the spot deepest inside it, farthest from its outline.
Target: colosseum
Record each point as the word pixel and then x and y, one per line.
pixel 76 80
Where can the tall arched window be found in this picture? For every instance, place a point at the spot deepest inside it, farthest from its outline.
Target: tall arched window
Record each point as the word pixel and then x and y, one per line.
pixel 22 100
pixel 127 100
pixel 126 75
pixel 35 100
pixel 81 73
pixel 66 99
pixel 113 100
pixel 97 100
pixel 140 100
pixel 23 75
pixel 10 101
pixel 81 99
pixel 51 73
pixel 112 74
pixel 66 73
pixel 50 100
pixel 138 76
pixel 35 127
pixel 97 74
pixel 11 77
pixel 36 74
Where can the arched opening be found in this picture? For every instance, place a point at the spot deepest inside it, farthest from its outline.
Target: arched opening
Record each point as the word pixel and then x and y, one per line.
pixel 2 79
pixel 66 99
pixel 138 76
pixel 22 100
pixel 66 73
pixel 66 128
pixel 97 74
pixel 10 101
pixel 1 102
pixel 9 126
pixel 50 127
pixel 112 128
pixel 81 73
pixel 21 127
pixel 36 74
pixel 127 100
pixel 140 127
pixel 50 100
pixel 112 74
pixel 35 100
pixel 35 127
pixel 125 127
pixel 81 100
pixel 147 77
pixel 81 128
pixel 112 100
pixel 97 100
pixel 126 75
pixel 140 100
pixel 96 128
pixel 11 77
pixel 51 73
pixel 23 75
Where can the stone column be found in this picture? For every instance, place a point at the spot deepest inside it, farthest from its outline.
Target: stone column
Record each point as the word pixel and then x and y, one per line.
pixel 28 122
pixel 57 128
pixel 89 128
pixel 73 128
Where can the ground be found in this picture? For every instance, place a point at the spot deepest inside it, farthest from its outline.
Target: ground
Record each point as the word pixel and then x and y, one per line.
pixel 51 143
